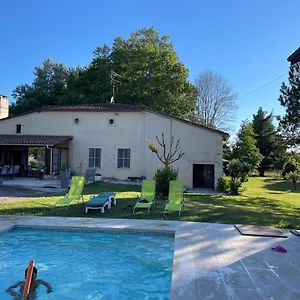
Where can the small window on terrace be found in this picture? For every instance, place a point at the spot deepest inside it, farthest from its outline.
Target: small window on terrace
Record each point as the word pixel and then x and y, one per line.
pixel 94 157
pixel 123 158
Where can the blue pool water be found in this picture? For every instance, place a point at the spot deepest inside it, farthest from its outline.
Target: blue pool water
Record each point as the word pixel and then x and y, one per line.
pixel 89 265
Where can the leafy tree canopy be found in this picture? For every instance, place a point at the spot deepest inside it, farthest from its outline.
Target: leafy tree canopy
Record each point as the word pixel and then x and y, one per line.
pixel 48 86
pixel 290 99
pixel 150 75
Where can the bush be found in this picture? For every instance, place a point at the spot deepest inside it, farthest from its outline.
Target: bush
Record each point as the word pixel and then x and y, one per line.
pixel 223 184
pixel 238 172
pixel 162 177
pixel 292 165
pixel 284 224
pixel 293 177
pixel 235 187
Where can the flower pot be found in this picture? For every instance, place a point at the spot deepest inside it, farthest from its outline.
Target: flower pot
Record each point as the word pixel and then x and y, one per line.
pixel 98 178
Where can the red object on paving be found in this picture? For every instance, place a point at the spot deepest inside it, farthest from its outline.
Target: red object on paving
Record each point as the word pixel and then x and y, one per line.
pixel 279 249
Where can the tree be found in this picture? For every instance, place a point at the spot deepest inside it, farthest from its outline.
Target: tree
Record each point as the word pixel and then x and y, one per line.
pixel 245 148
pixel 216 105
pixel 292 164
pixel 269 142
pixel 169 154
pixel 293 177
pixel 91 84
pixel 227 156
pixel 48 87
pixel 238 172
pixel 290 99
pixel 150 74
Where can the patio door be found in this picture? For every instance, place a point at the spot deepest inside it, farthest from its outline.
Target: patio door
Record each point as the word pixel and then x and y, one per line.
pixel 60 159
pixel 203 176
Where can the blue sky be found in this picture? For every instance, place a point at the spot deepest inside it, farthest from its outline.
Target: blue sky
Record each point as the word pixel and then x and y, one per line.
pixel 247 42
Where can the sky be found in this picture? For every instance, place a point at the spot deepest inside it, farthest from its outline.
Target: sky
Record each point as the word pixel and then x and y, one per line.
pixel 247 42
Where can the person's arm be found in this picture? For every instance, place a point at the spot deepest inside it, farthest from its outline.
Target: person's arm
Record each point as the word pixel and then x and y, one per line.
pixel 46 284
pixel 11 291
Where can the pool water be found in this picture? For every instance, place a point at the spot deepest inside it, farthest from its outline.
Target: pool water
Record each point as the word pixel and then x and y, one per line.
pixel 89 265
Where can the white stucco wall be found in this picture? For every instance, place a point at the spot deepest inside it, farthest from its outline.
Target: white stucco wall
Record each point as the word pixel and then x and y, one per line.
pixel 92 131
pixel 200 145
pixel 131 130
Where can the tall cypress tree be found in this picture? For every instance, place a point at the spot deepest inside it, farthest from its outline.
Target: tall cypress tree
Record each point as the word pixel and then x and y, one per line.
pixel 245 148
pixel 270 144
pixel 290 99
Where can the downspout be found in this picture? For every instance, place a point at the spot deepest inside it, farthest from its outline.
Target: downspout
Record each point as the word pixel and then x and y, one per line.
pixel 51 151
pixel 143 140
pixel 171 129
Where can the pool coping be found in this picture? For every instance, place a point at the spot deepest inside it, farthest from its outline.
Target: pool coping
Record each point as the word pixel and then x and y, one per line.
pixel 201 250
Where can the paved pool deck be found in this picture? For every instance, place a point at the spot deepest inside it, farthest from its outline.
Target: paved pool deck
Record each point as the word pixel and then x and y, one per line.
pixel 211 261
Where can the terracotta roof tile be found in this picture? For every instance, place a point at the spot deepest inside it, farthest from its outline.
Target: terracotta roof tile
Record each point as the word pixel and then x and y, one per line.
pixel 113 107
pixel 95 107
pixel 36 140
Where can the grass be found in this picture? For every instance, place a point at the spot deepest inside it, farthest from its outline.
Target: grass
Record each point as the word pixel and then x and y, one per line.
pixel 265 201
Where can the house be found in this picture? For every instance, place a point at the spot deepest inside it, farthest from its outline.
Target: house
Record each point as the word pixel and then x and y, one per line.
pixel 112 138
pixel 3 107
pixel 294 57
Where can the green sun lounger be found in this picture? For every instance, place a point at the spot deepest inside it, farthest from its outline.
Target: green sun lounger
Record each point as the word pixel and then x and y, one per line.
pixel 75 192
pixel 175 198
pixel 147 198
pixel 106 199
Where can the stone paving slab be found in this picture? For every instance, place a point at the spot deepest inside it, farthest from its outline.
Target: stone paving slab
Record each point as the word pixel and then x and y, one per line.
pixel 14 193
pixel 211 261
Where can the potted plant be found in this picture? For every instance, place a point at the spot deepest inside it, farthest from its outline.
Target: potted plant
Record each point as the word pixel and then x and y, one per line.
pixel 98 177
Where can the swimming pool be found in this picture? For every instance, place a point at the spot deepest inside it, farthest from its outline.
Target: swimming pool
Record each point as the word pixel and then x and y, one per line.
pixel 89 265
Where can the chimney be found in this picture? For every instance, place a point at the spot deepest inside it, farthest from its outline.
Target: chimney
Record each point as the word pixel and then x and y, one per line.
pixel 3 107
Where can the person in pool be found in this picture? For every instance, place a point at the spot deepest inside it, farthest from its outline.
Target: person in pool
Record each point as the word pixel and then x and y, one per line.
pixel 35 283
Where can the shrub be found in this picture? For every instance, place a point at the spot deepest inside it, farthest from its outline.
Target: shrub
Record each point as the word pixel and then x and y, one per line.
pixel 238 172
pixel 162 177
pixel 293 177
pixel 223 184
pixel 284 224
pixel 234 186
pixel 292 165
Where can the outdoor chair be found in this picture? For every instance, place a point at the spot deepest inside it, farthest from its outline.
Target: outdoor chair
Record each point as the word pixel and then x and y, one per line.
pixel 74 193
pixel 175 198
pixel 16 169
pixel 147 198
pixel 40 171
pixel 90 175
pixel 5 171
pixel 106 199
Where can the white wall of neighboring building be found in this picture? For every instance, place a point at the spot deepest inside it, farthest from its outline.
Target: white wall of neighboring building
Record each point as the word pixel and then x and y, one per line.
pixel 3 107
pixel 130 130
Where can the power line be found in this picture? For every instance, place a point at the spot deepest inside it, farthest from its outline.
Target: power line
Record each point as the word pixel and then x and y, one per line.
pixel 263 86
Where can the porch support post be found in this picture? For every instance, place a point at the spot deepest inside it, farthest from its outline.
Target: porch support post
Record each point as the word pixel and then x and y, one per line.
pixel 51 150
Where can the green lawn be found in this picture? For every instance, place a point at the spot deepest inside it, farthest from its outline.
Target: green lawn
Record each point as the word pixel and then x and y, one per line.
pixel 265 201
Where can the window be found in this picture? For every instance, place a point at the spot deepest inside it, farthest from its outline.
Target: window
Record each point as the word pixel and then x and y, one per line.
pixel 94 157
pixel 123 158
pixel 18 128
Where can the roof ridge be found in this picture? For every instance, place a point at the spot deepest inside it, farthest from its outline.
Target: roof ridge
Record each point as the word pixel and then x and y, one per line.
pixel 114 107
